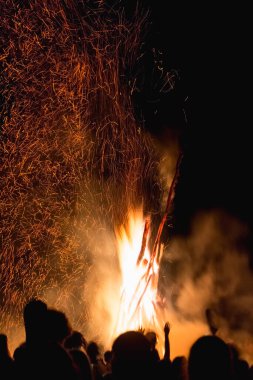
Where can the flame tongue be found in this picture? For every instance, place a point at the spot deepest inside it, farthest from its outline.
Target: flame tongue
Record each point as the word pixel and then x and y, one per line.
pixel 139 269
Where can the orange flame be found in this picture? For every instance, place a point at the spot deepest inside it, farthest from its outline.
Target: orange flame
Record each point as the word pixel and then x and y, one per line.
pixel 140 272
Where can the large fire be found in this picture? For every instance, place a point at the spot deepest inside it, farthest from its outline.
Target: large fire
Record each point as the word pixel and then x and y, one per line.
pixel 140 304
pixel 140 273
pixel 74 161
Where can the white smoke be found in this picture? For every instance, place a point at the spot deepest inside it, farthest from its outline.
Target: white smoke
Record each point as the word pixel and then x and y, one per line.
pixel 210 270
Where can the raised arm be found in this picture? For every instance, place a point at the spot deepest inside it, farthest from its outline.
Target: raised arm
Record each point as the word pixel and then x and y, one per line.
pixel 166 342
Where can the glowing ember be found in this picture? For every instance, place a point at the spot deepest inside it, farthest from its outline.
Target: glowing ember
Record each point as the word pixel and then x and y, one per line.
pixel 69 143
pixel 139 275
pixel 73 157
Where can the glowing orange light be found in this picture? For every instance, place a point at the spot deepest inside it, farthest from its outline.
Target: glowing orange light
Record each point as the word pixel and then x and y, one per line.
pixel 140 271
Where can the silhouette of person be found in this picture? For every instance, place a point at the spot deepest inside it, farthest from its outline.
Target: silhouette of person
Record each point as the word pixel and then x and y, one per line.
pixel 58 326
pixel 108 361
pixel 152 338
pixel 179 368
pixel 76 346
pixel 210 359
pixel 240 366
pixel 40 356
pixel 6 361
pixel 131 357
pixel 164 366
pixel 76 340
pixel 97 364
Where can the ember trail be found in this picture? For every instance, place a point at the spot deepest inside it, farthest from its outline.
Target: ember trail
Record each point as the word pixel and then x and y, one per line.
pixel 74 160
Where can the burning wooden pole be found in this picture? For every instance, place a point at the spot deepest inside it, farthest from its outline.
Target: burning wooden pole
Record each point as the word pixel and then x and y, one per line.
pixel 151 274
pixel 165 215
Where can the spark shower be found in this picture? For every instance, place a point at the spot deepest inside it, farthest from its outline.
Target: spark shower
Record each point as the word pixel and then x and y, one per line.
pixel 74 160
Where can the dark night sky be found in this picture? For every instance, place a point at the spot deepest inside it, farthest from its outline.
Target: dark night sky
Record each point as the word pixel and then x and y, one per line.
pixel 209 47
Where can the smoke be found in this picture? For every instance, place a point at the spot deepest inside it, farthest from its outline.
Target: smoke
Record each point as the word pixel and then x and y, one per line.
pixel 210 270
pixel 73 158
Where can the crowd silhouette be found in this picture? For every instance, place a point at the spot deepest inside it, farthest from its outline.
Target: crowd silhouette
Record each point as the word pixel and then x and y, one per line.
pixel 53 350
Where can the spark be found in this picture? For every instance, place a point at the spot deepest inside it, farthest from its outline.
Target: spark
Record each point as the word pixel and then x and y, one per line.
pixel 73 158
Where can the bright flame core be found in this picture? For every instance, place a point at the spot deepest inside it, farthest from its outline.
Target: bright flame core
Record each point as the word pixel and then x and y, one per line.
pixel 140 271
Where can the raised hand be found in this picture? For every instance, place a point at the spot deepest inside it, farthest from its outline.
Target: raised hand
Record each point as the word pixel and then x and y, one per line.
pixel 167 328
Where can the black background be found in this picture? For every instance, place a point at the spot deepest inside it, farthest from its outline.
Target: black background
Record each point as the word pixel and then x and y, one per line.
pixel 209 46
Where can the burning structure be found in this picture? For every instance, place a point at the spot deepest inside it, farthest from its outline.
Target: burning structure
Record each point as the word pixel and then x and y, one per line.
pixel 74 160
pixel 139 305
pixel 81 181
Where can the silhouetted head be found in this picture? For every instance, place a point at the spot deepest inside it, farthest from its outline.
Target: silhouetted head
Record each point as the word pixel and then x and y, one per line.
pixel 152 338
pixel 58 326
pixel 35 315
pixel 240 366
pixel 75 340
pixel 209 359
pixel 4 350
pixel 131 356
pixel 93 351
pixel 179 367
pixel 108 356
